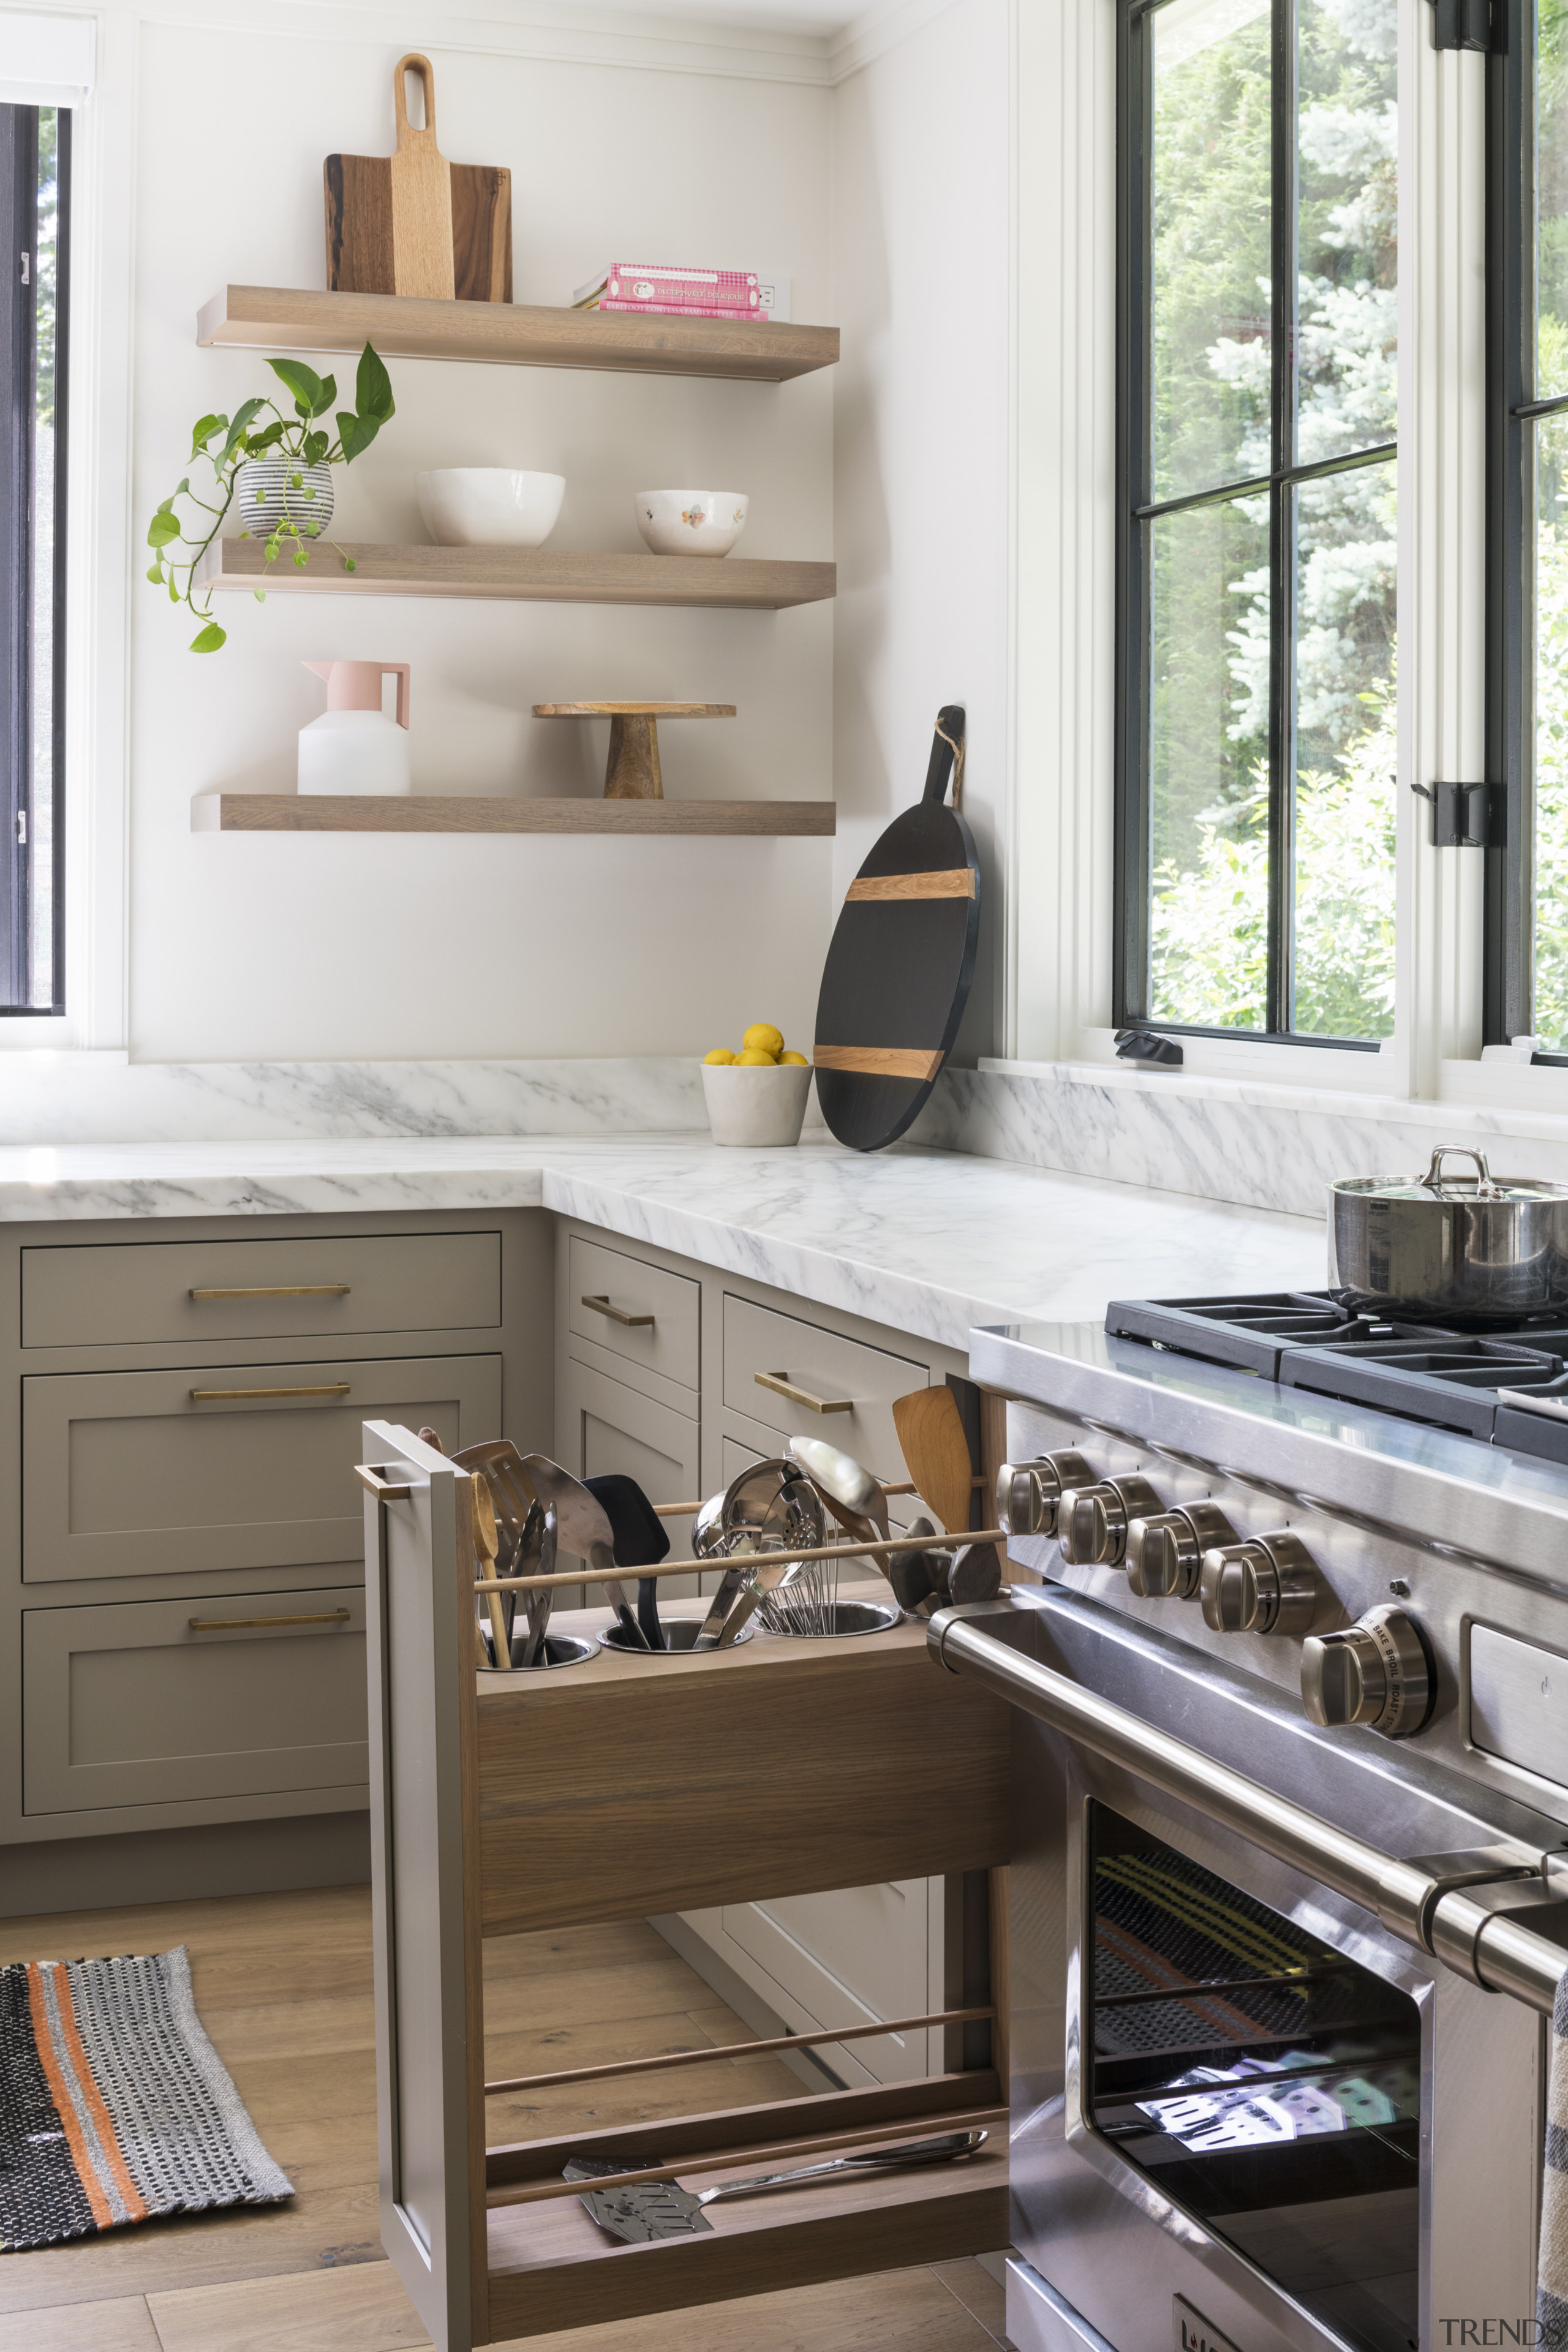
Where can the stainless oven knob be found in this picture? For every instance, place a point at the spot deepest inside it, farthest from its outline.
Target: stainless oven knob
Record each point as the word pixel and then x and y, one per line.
pixel 1379 1672
pixel 1165 1553
pixel 1027 1493
pixel 1266 1585
pixel 1093 1521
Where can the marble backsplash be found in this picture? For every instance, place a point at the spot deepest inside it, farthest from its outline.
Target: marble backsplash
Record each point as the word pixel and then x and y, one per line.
pixel 91 1098
pixel 1262 1147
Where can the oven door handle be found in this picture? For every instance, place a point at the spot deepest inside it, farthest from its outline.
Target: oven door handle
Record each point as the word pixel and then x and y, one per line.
pixel 1423 1902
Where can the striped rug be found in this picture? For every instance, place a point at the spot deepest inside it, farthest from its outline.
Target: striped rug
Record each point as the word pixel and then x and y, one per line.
pixel 114 2106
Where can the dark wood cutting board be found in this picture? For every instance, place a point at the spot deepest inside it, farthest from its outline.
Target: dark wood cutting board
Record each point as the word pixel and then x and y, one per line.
pixel 898 972
pixel 411 223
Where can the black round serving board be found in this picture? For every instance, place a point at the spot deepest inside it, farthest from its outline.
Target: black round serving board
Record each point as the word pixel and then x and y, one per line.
pixel 901 960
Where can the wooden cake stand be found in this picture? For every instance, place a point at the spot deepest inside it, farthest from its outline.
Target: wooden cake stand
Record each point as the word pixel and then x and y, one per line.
pixel 632 772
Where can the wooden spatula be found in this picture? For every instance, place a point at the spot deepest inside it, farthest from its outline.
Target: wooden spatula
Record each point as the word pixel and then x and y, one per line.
pixel 414 224
pixel 936 1453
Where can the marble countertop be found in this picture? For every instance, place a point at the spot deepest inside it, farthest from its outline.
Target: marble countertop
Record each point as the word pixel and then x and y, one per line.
pixel 925 1242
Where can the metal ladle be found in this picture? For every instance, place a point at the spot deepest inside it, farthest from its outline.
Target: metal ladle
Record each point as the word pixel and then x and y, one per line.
pixel 851 1493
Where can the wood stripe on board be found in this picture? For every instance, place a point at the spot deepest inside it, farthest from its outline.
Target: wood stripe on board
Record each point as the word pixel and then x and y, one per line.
pixel 953 882
pixel 878 1061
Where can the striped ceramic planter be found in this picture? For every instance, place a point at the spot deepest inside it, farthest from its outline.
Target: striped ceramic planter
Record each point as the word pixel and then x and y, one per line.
pixel 264 496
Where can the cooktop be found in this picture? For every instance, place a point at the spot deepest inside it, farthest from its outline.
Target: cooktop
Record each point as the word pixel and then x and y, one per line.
pixel 1508 1388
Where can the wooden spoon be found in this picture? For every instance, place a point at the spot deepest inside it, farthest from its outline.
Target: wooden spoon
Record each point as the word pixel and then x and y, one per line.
pixel 936 1453
pixel 486 1545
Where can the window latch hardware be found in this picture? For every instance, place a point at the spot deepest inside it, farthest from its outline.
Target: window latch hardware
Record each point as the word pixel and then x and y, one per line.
pixel 1464 816
pixel 1461 24
pixel 1147 1046
pixel 26 269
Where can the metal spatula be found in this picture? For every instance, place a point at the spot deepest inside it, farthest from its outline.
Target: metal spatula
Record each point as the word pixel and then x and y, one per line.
pixel 652 2209
pixel 660 2209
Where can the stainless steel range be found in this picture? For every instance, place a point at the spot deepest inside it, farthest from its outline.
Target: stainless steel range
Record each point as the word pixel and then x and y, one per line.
pixel 1291 1890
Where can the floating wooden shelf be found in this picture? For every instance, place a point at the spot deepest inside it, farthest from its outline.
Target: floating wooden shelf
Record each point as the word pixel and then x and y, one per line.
pixel 433 813
pixel 533 575
pixel 513 334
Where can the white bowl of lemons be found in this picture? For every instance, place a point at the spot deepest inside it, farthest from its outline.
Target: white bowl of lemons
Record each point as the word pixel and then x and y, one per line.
pixel 757 1097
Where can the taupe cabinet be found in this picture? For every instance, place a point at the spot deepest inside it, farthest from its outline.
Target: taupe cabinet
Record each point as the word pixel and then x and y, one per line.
pixel 680 1375
pixel 182 1572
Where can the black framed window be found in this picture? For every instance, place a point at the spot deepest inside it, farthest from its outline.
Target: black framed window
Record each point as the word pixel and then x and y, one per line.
pixel 34 179
pixel 1257 379
pixel 1527 487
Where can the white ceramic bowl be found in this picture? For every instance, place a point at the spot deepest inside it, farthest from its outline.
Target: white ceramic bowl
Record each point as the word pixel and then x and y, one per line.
pixel 489 505
pixel 762 1108
pixel 690 522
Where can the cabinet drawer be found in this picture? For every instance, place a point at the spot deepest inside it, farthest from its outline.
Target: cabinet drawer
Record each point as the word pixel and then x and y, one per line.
pixel 135 1706
pixel 150 1474
pixel 668 1342
pixel 757 1339
pixel 156 1292
pixel 609 1427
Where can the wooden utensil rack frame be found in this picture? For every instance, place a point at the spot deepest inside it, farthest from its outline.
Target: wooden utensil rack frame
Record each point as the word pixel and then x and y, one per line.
pixel 505 1803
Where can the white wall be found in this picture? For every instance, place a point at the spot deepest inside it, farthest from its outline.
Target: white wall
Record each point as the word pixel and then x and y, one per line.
pixel 364 946
pixel 922 288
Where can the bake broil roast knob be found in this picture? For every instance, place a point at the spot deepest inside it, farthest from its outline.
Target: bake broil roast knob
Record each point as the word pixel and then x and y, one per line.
pixel 1093 1521
pixel 1027 1493
pixel 1165 1552
pixel 1266 1585
pixel 1378 1671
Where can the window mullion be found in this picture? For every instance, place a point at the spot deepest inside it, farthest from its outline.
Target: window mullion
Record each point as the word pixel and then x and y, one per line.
pixel 1507 989
pixel 1281 532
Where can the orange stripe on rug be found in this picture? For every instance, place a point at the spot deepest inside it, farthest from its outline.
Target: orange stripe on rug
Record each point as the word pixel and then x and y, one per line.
pixel 65 2105
pixel 50 2056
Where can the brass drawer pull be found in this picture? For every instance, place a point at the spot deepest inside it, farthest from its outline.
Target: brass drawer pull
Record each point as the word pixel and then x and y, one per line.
pixel 282 1290
pixel 226 1624
pixel 601 1305
pixel 226 1396
pixel 385 1490
pixel 781 1385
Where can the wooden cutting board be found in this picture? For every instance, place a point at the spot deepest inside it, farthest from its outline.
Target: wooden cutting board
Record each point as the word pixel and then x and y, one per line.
pixel 902 956
pixel 414 224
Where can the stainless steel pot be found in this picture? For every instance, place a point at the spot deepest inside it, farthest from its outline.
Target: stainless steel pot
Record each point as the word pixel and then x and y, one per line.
pixel 1436 1249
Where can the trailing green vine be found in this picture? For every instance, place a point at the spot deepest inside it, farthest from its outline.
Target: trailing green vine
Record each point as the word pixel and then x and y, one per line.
pixel 299 437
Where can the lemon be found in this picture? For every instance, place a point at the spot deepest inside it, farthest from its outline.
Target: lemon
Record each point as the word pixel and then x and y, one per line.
pixel 756 1057
pixel 720 1053
pixel 796 1061
pixel 761 1036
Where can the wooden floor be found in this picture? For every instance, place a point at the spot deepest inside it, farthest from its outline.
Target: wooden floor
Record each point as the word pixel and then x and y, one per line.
pixel 283 1987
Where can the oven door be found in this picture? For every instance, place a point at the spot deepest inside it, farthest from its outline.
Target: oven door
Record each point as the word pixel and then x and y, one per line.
pixel 1243 2110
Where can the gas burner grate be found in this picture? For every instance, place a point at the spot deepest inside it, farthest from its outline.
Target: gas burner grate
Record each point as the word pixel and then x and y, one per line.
pixel 1451 1384
pixel 1480 1384
pixel 1256 1332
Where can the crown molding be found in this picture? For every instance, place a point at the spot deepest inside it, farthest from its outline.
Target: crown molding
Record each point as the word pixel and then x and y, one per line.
pixel 555 34
pixel 878 29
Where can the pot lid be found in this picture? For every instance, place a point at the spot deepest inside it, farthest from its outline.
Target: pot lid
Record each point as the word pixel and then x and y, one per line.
pixel 1434 1186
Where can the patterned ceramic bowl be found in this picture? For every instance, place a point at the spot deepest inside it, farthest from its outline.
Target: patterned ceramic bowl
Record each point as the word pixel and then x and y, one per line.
pixel 690 522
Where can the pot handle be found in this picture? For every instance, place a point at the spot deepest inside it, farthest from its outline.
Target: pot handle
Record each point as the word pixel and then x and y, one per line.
pixel 1486 1189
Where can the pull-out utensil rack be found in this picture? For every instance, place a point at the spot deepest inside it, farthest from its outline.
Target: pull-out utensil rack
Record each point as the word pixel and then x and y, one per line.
pixel 502 1804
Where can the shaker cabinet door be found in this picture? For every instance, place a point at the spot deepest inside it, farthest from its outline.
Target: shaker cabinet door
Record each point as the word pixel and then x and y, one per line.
pixel 230 1466
pixel 608 1427
pixel 163 1701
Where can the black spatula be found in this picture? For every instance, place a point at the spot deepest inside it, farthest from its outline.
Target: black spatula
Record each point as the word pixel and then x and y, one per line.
pixel 640 1541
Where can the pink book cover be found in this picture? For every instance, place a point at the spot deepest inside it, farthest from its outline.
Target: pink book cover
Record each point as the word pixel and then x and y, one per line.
pixel 672 288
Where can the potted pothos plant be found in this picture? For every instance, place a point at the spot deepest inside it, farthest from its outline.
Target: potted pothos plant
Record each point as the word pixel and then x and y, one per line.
pixel 276 477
